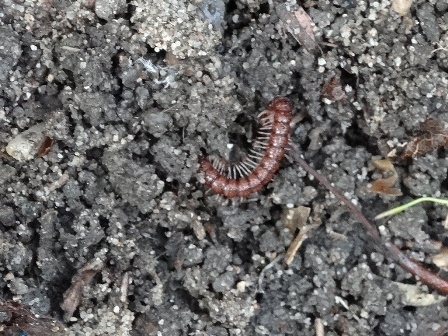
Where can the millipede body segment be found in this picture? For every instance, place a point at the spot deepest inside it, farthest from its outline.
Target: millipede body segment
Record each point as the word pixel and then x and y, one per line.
pixel 259 166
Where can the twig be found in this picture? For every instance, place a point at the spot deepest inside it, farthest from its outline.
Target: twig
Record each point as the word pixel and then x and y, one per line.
pixel 371 229
pixel 426 276
pixel 297 242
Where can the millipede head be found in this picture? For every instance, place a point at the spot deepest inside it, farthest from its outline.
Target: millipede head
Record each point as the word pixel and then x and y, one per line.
pixel 281 105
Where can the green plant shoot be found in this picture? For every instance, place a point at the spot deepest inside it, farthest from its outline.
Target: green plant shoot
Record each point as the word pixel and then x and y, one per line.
pixel 403 207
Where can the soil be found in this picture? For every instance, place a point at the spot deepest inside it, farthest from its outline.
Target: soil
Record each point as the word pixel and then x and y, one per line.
pixel 107 230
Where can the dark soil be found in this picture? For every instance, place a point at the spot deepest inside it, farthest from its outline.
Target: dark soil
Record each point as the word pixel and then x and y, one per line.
pixel 134 93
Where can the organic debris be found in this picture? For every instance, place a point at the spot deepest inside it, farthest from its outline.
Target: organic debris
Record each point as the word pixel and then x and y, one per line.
pixel 72 296
pixel 297 242
pixel 441 259
pixel 425 275
pixel 297 218
pixel 412 295
pixel 17 320
pixel 299 24
pixel 384 186
pixel 197 226
pixel 435 135
pixel 45 147
pixel 161 75
pixel 332 89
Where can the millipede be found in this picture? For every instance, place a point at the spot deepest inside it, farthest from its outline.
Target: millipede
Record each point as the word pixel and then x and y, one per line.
pixel 263 160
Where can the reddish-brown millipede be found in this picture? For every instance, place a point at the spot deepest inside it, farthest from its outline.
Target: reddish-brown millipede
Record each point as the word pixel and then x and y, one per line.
pixel 262 162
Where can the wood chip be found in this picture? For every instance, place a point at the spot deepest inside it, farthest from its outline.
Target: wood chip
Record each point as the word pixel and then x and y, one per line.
pixel 72 296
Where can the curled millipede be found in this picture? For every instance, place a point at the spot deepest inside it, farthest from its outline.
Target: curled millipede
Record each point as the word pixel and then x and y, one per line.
pixel 262 162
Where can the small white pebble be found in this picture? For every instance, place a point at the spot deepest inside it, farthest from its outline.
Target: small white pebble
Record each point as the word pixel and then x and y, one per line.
pixel 26 144
pixel 321 61
pixel 364 314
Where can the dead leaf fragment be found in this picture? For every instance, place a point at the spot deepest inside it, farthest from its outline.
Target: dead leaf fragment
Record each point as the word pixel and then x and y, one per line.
pixel 384 186
pixel 299 24
pixel 435 135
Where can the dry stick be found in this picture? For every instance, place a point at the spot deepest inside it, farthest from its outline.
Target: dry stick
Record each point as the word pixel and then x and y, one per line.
pixel 426 276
